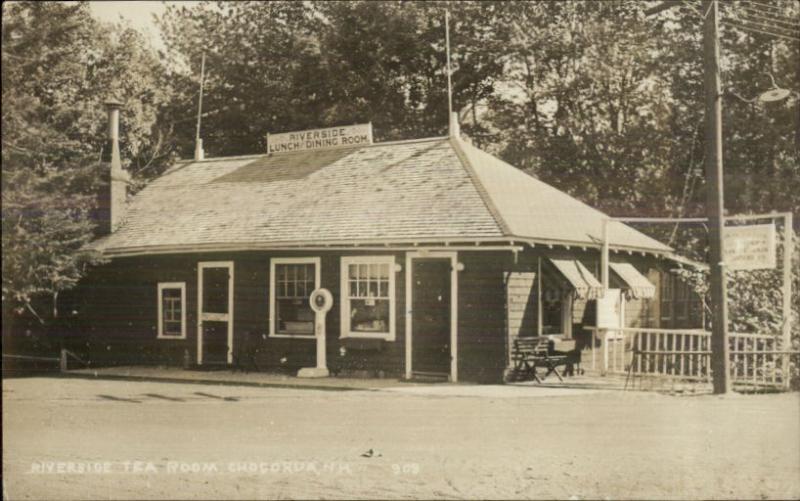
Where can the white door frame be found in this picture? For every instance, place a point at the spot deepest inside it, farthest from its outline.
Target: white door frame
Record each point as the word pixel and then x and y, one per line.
pixel 215 317
pixel 453 256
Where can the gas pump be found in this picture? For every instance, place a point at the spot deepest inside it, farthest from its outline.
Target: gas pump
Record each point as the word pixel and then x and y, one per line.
pixel 321 301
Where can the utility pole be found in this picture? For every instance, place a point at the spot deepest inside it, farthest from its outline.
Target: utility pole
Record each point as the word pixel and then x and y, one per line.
pixel 715 207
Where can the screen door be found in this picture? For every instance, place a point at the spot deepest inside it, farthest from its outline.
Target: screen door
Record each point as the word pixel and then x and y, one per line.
pixel 215 318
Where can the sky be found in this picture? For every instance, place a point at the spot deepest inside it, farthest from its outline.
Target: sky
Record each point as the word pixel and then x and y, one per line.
pixel 138 13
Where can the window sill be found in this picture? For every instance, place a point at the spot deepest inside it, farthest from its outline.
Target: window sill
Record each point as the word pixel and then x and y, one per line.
pixel 367 335
pixel 176 338
pixel 293 336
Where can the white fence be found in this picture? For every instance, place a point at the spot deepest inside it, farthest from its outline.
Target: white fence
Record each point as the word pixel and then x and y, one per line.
pixel 756 359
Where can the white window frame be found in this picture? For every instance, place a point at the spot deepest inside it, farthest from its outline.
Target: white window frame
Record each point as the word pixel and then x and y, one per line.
pixel 171 285
pixel 566 314
pixel 273 297
pixel 344 331
pixel 203 316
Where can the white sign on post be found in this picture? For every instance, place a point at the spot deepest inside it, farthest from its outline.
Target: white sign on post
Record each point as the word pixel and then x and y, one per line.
pixel 609 309
pixel 320 139
pixel 750 247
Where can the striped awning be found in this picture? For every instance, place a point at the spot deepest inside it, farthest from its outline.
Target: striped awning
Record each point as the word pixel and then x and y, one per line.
pixel 585 284
pixel 638 286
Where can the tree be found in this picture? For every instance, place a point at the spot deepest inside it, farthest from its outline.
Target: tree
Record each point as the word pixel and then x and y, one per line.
pixel 282 66
pixel 254 51
pixel 59 65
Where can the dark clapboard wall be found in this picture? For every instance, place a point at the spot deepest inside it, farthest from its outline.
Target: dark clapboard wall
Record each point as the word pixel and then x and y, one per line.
pixel 521 299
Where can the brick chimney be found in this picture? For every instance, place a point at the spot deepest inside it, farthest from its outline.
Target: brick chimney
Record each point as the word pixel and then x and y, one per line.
pixel 112 201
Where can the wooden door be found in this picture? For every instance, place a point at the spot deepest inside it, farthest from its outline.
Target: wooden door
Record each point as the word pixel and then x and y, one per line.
pixel 215 319
pixel 431 315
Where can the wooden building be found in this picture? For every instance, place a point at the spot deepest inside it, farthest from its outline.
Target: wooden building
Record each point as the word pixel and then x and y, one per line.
pixel 437 255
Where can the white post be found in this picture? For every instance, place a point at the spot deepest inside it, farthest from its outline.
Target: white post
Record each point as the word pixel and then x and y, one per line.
pixel 604 279
pixel 788 251
pixel 604 256
pixel 539 306
pixel 409 313
pixel 199 154
pixel 319 331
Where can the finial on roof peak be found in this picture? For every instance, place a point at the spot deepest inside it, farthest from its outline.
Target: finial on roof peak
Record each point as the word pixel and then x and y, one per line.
pixel 455 129
pixel 113 103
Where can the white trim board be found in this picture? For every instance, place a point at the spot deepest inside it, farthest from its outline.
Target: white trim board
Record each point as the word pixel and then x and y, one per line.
pixel 316 261
pixel 344 297
pixel 453 257
pixel 442 244
pixel 171 285
pixel 219 317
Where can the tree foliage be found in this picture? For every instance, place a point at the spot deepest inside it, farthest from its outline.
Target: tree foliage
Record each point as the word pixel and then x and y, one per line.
pixel 594 98
pixel 591 97
pixel 580 94
pixel 59 65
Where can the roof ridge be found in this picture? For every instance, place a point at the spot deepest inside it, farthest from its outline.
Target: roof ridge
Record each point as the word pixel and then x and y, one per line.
pixel 546 184
pixel 217 159
pixel 482 191
pixel 260 155
pixel 473 154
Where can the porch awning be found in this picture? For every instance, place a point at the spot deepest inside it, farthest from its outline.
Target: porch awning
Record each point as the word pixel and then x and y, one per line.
pixel 639 287
pixel 585 284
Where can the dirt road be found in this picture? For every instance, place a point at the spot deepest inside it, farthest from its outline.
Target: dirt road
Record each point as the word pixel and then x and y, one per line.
pixel 79 439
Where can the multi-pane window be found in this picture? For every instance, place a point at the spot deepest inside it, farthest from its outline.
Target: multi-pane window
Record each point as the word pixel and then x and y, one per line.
pixel 666 296
pixel 682 299
pixel 556 307
pixel 368 297
pixel 552 307
pixel 681 306
pixel 292 282
pixel 172 310
pixel 646 313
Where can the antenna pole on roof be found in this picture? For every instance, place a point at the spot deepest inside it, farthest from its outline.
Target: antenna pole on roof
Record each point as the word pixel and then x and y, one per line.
pixel 452 119
pixel 447 44
pixel 199 154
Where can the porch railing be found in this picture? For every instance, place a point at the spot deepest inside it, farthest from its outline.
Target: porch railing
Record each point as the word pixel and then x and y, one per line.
pixel 756 359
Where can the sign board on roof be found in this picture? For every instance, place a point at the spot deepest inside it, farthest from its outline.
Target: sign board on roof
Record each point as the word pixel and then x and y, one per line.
pixel 320 139
pixel 750 247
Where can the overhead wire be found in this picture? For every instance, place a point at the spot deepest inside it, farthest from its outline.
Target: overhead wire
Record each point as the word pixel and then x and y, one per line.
pixel 764 5
pixel 763 32
pixel 746 12
pixel 786 31
pixel 747 24
pixel 763 23
pixel 778 21
pixel 762 19
pixel 690 5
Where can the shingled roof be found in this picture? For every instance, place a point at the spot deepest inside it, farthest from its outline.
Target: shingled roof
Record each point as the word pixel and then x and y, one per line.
pixel 427 190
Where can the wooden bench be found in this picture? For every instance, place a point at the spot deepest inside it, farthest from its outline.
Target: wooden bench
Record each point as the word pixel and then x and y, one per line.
pixel 531 353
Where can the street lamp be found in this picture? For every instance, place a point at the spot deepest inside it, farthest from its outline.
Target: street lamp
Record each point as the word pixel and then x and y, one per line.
pixel 774 94
pixel 771 95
